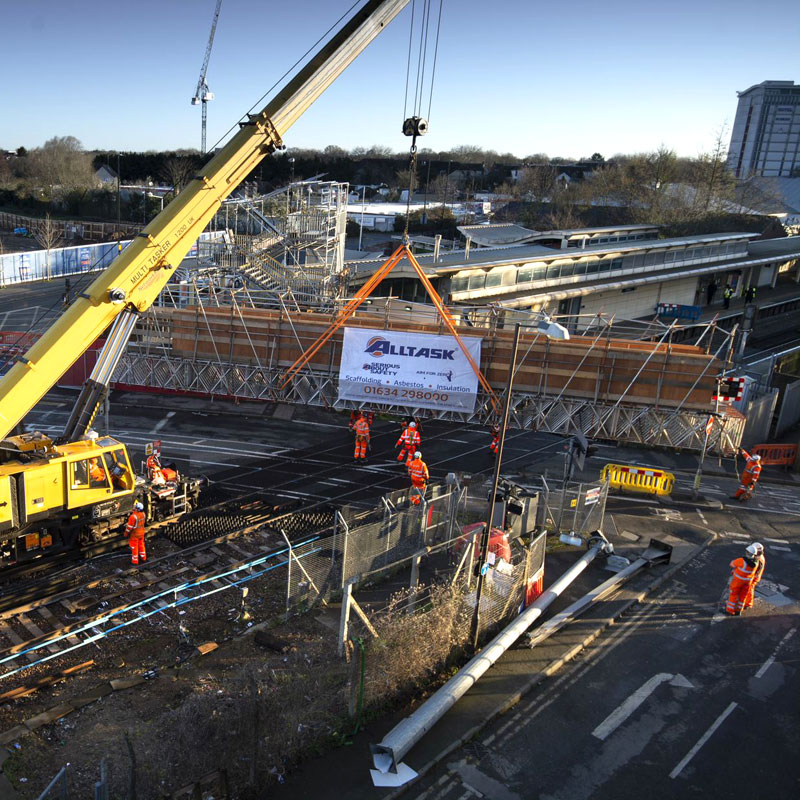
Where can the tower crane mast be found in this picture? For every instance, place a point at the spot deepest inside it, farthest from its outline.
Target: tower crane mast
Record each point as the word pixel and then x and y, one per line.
pixel 202 94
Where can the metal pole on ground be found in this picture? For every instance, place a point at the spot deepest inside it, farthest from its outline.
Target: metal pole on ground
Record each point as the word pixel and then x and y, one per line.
pixel 393 747
pixel 486 534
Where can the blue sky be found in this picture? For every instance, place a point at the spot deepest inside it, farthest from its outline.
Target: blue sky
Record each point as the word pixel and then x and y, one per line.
pixel 522 76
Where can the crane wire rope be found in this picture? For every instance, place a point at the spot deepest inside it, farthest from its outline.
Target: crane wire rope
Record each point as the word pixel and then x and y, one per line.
pixel 419 89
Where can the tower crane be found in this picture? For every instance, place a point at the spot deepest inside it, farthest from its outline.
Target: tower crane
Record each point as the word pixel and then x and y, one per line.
pixel 201 94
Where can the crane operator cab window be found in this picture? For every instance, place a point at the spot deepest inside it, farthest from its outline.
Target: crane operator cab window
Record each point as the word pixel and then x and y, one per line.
pixel 119 469
pixel 89 473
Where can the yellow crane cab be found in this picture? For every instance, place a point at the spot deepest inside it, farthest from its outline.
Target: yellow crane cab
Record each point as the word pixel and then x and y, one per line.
pixel 53 497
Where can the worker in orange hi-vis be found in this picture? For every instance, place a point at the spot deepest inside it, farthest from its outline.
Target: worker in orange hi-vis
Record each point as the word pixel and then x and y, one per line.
pixel 750 476
pixel 761 564
pixel 361 430
pixel 418 471
pixel 153 463
pixel 408 442
pixel 134 530
pixel 744 572
pixel 354 415
pixel 495 445
pixel 96 472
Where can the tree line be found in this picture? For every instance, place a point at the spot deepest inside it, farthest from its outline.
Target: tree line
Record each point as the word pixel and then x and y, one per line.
pixel 657 187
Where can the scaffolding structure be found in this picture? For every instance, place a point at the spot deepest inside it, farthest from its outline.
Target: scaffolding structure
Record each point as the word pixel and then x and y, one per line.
pixel 238 343
pixel 288 244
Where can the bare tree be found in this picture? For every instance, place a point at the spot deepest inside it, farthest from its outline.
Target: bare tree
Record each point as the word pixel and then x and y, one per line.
pixel 537 182
pixel 48 235
pixel 177 172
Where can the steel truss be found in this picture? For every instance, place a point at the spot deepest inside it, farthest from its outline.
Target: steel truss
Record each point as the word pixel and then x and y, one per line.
pixel 655 427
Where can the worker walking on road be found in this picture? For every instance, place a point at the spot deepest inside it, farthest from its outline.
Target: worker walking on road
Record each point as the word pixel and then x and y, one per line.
pixel 134 530
pixel 744 572
pixel 418 471
pixel 761 564
pixel 361 430
pixel 750 476
pixel 408 443
pixel 495 445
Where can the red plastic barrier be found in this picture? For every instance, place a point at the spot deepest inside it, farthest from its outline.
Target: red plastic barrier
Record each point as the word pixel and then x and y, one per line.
pixel 776 454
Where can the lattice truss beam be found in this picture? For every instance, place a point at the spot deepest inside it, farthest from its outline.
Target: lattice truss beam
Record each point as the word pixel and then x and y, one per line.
pixel 681 429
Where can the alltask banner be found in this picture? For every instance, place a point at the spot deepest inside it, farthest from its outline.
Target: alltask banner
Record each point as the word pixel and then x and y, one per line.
pixel 408 369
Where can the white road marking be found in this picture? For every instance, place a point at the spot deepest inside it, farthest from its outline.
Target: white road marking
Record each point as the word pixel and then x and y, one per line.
pixel 741 541
pixel 702 517
pixel 776 541
pixel 160 425
pixel 623 711
pixel 768 663
pixel 762 509
pixel 537 705
pixel 782 549
pixel 703 739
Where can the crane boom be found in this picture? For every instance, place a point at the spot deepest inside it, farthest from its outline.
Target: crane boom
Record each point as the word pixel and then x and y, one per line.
pixel 136 277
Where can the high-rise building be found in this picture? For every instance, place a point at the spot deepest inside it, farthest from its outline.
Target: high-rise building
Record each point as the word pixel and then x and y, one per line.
pixel 765 139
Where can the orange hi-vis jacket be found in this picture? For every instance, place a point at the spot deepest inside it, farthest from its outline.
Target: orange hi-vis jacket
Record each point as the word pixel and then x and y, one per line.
pixel 410 439
pixel 361 428
pixel 752 469
pixel 743 570
pixel 135 527
pixel 418 470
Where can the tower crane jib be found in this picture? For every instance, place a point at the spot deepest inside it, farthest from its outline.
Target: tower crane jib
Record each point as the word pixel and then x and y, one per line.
pixel 202 94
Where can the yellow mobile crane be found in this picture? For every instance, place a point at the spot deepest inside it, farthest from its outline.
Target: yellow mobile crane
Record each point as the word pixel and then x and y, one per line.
pixel 77 488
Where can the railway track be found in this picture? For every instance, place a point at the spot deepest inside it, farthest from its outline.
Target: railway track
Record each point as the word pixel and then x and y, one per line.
pixel 43 628
pixel 220 546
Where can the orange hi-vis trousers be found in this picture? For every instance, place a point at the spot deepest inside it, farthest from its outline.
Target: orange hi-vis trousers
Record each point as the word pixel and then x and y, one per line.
pixel 361 447
pixel 138 552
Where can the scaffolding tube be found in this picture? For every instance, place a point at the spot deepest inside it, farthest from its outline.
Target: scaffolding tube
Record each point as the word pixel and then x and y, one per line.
pixel 387 755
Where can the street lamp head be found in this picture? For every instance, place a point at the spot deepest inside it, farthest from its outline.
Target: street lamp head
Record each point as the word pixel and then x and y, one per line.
pixel 552 330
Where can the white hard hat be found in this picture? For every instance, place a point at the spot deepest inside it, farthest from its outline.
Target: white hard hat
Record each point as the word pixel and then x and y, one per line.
pixel 418 454
pixel 751 550
pixel 138 506
pixel 412 424
pixel 756 458
pixel 758 547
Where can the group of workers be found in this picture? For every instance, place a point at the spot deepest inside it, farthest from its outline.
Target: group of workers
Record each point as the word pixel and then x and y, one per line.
pixel 409 443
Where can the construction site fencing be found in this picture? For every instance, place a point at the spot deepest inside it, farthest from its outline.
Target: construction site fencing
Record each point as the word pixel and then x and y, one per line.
pixel 427 627
pixel 576 507
pixel 352 550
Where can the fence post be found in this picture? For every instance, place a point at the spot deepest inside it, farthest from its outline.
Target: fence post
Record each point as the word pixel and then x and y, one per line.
pixel 345 534
pixel 414 581
pixel 577 508
pixel 289 579
pixel 344 618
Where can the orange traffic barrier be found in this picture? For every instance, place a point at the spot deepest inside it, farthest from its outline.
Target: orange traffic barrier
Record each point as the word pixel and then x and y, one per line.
pixel 638 479
pixel 776 454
